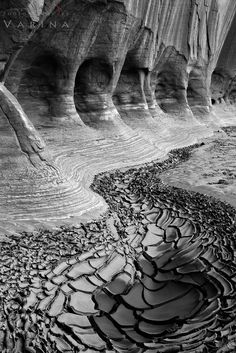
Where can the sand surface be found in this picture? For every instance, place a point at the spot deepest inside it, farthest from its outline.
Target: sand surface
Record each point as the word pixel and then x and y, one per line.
pixel 210 170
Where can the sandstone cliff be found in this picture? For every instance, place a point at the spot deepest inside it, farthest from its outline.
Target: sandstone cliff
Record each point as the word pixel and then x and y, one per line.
pixel 88 86
pixel 223 80
pixel 136 51
pixel 126 73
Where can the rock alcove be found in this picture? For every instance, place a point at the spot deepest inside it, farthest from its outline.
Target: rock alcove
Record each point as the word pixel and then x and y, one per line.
pixel 109 111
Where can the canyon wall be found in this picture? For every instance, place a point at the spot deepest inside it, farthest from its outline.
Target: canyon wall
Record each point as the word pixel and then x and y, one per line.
pixel 90 59
pixel 223 79
pixel 135 74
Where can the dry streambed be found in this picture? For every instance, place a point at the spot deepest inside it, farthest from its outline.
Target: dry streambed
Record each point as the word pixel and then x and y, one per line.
pixel 156 272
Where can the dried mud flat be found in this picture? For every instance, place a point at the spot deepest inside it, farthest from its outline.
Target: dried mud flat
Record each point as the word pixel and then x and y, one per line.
pixel 156 273
pixel 210 170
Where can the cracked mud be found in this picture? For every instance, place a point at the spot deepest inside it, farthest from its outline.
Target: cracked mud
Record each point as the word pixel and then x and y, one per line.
pixel 156 273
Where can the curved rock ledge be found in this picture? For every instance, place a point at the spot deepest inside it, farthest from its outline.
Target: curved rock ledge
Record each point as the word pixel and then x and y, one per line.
pixel 59 193
pixel 92 85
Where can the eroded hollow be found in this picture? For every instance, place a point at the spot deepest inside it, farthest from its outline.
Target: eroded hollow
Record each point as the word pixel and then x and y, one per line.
pixel 92 84
pixel 223 86
pixel 128 90
pixel 218 85
pixel 170 89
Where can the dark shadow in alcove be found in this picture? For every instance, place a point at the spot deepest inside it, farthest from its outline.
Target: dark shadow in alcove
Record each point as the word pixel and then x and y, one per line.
pixel 190 94
pixel 128 89
pixel 213 101
pixel 93 80
pixel 170 88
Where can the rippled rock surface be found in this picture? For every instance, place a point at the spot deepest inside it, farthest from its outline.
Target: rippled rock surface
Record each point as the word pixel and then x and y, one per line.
pixel 156 274
pixel 84 79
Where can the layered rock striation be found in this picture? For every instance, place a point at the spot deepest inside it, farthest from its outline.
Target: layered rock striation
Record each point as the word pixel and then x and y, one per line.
pixel 88 86
pixel 84 79
pixel 136 52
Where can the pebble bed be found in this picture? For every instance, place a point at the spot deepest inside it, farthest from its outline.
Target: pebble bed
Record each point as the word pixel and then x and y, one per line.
pixel 43 267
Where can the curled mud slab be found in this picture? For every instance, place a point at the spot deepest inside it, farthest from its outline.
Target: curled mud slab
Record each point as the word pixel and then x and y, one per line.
pixel 155 274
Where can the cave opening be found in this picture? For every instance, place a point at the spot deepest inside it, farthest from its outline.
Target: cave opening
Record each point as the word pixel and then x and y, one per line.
pixel 128 87
pixel 170 89
pixel 92 83
pixel 219 85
